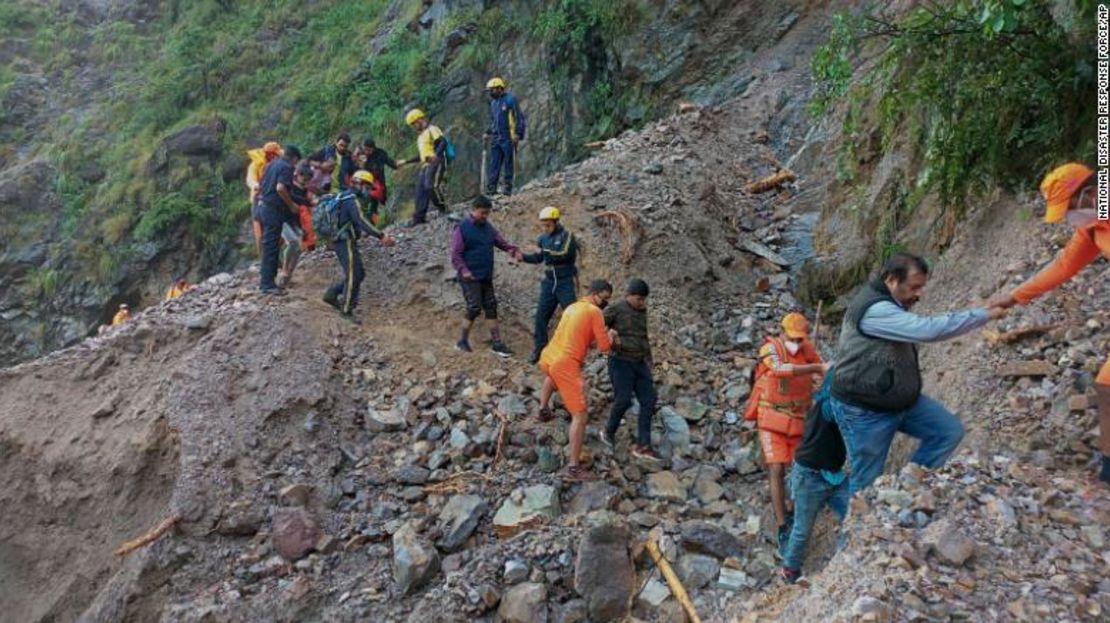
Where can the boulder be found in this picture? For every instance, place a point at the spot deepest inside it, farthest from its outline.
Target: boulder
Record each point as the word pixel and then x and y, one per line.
pixel 705 537
pixel 196 140
pixel 603 572
pixel 665 486
pixel 677 430
pixel 415 561
pixel 294 533
pixel 515 571
pixel 533 506
pixel 524 603
pixel 459 518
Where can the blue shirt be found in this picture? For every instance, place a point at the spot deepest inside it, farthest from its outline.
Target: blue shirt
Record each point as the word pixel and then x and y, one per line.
pixel 889 321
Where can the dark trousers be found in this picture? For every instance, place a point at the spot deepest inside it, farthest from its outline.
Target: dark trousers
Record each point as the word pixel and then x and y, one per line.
pixel 501 155
pixel 272 220
pixel 631 378
pixel 429 190
pixel 553 293
pixel 350 261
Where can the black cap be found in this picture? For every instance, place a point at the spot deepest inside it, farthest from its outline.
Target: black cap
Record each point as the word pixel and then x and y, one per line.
pixel 482 202
pixel 292 151
pixel 638 287
pixel 600 285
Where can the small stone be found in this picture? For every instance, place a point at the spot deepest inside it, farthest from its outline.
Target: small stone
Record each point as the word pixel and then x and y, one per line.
pixel 595 495
pixel 411 475
pixel 868 608
pixel 652 168
pixel 546 460
pixel 653 595
pixel 512 406
pixel 516 571
pixel 954 547
pixel 732 579
pixel 665 485
pixel 378 421
pixel 459 518
pixel 459 439
pixel 1079 402
pixel 536 505
pixel 294 533
pixel 690 409
pixel 524 603
pixel 677 430
pixel 697 571
pixel 894 497
pixel 415 562
pixel 710 538
pixel 295 495
pixel 327 544
pixel 1093 536
pixel 573 611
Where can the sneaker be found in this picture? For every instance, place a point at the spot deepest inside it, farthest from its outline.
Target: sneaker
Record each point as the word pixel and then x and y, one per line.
pixel 605 439
pixel 791 576
pixel 463 346
pixel 644 452
pixel 545 415
pixel 275 291
pixel 578 473
pixel 501 350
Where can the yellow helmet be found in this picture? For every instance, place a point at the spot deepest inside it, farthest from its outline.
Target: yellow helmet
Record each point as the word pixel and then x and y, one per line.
pixel 550 213
pixel 364 176
pixel 495 82
pixel 414 115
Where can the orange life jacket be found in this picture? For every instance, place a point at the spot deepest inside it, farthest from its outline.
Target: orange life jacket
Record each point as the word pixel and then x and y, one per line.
pixel 780 402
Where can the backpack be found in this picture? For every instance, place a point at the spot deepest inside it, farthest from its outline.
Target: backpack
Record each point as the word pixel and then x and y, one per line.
pixel 448 150
pixel 751 410
pixel 325 216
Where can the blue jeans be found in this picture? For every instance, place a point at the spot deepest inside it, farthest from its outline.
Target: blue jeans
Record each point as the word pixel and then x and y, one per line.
pixel 810 492
pixel 867 436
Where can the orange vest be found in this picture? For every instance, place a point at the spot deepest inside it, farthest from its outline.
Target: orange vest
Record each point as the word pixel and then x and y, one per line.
pixel 784 400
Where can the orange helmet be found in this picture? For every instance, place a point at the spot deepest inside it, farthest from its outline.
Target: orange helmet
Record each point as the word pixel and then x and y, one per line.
pixel 1058 187
pixel 795 325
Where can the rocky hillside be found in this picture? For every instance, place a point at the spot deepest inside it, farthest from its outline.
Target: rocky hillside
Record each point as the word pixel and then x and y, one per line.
pixel 125 122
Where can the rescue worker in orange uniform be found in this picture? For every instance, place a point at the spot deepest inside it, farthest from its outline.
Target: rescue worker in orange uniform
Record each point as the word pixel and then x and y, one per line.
pixel 179 287
pixel 582 324
pixel 259 159
pixel 1070 192
pixel 122 316
pixel 781 397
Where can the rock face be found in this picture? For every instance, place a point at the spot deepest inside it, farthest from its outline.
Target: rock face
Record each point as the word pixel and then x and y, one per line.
pixel 532 507
pixel 459 518
pixel 524 603
pixel 294 533
pixel 603 572
pixel 415 561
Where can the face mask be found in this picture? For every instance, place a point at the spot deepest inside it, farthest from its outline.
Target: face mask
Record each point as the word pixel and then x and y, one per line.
pixel 792 347
pixel 1081 218
pixel 603 304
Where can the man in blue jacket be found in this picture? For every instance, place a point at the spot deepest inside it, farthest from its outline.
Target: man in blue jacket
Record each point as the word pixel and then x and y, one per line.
pixel 506 130
pixel 472 244
pixel 343 294
pixel 558 251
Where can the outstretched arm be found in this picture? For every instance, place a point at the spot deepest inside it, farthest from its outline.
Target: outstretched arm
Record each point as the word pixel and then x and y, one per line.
pixel 885 320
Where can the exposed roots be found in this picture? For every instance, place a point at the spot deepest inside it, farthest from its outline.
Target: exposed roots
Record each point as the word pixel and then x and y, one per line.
pixel 150 537
pixel 630 229
pixel 457 483
pixel 770 182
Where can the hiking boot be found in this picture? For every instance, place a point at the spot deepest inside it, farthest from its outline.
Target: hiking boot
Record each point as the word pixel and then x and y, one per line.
pixel 275 291
pixel 791 576
pixel 605 439
pixel 578 473
pixel 644 452
pixel 463 346
pixel 501 350
pixel 331 300
pixel 545 415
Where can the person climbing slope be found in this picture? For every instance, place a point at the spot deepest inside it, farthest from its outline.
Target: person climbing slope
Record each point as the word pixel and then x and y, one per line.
pixel 630 368
pixel 582 325
pixel 375 160
pixel 338 219
pixel 259 159
pixel 1070 195
pixel 122 316
pixel 432 147
pixel 472 244
pixel 557 249
pixel 782 394
pixel 506 130
pixel 337 160
pixel 180 286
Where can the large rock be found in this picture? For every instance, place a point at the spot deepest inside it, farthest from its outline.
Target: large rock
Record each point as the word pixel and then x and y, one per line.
pixel 592 496
pixel 415 561
pixel 697 570
pixel 378 421
pixel 527 508
pixel 665 486
pixel 294 533
pixel 709 538
pixel 677 430
pixel 459 518
pixel 706 487
pixel 603 572
pixel 524 603
pixel 197 140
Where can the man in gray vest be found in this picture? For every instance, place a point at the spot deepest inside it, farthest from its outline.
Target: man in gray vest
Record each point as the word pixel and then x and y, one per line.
pixel 876 386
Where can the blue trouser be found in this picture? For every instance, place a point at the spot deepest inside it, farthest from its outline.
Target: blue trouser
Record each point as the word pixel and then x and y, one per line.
pixel 272 221
pixel 350 261
pixel 553 293
pixel 501 154
pixel 867 436
pixel 631 377
pixel 429 190
pixel 810 492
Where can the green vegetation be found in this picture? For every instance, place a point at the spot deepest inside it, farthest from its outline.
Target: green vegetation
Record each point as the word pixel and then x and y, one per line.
pixel 992 91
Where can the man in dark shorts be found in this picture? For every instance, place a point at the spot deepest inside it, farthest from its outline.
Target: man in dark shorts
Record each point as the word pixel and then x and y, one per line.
pixel 472 245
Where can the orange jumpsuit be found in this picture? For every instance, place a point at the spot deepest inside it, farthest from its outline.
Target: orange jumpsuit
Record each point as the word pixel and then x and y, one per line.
pixel 582 324
pixel 1083 248
pixel 783 398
